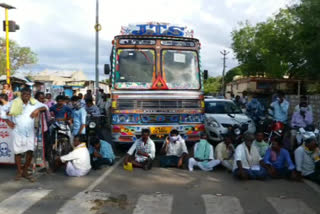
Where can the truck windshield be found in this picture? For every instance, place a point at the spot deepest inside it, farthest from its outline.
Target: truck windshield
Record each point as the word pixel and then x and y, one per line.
pixel 181 69
pixel 134 68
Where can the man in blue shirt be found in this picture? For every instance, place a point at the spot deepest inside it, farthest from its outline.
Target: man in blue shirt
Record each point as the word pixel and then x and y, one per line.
pixel 280 108
pixel 79 116
pixel 92 109
pixel 101 153
pixel 60 111
pixel 278 161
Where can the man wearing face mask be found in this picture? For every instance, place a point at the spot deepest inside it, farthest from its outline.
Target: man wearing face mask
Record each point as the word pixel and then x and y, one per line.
pixel 255 109
pixel 79 116
pixel 303 99
pixel 300 119
pixel 280 108
pixel 175 150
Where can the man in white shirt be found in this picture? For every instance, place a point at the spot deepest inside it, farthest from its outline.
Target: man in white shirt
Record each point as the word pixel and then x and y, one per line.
pixel 175 150
pixel 78 161
pixel 142 152
pixel 23 112
pixel 203 155
pixel 248 163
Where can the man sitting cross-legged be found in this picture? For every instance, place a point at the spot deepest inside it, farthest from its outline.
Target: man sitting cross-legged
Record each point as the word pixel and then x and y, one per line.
pixel 203 155
pixel 248 163
pixel 225 152
pixel 175 150
pixel 78 161
pixel 278 161
pixel 142 152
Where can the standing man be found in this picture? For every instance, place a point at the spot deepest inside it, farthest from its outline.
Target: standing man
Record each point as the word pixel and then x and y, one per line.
pixel 303 99
pixel 42 125
pixel 255 109
pixel 248 163
pixel 23 111
pixel 79 117
pixel 49 102
pixel 92 109
pixel 280 108
pixel 60 111
pixel 88 95
pixel 175 150
pixel 82 101
pixel 203 155
pixel 300 119
pixel 142 152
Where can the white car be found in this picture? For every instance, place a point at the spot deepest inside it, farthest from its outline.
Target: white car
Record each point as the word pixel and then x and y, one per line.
pixel 221 114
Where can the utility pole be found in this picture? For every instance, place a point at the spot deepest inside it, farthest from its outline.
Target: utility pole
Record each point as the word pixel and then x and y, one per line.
pixel 97 28
pixel 9 26
pixel 224 53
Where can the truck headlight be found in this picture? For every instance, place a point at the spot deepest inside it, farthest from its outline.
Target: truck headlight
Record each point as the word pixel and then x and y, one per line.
pixel 192 118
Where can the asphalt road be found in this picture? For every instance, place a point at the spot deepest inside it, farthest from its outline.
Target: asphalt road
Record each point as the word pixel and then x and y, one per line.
pixel 113 190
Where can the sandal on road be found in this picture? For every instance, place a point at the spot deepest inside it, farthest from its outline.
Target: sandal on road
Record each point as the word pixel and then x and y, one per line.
pixel 29 178
pixel 18 177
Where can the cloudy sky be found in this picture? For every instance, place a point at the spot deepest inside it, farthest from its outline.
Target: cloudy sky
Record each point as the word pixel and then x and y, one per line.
pixel 61 32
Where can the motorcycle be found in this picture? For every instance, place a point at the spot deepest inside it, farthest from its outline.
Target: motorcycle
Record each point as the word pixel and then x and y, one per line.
pixel 307 133
pixel 236 131
pixel 276 128
pixel 61 140
pixel 93 127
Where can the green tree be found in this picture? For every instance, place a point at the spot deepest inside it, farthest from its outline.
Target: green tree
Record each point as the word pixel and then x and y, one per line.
pixel 212 85
pixel 19 56
pixel 308 18
pixel 271 48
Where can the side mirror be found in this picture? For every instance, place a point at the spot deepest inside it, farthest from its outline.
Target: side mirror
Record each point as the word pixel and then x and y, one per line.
pixel 205 74
pixel 106 69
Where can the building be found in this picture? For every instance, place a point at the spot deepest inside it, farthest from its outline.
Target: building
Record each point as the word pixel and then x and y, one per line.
pixel 17 81
pixel 64 82
pixel 264 88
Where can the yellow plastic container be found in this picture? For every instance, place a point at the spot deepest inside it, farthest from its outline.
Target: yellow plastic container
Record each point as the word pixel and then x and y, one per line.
pixel 128 166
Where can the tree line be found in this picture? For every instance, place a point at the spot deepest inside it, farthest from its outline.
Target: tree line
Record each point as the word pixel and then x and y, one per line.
pixel 287 44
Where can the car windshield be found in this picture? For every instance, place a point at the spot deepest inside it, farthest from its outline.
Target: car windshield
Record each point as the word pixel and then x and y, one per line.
pixel 181 69
pixel 134 67
pixel 221 107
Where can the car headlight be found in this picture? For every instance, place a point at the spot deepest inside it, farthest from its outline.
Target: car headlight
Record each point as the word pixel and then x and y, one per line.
pixel 213 123
pixel 92 125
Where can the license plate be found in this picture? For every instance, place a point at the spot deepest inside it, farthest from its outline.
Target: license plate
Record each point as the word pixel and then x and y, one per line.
pixel 160 130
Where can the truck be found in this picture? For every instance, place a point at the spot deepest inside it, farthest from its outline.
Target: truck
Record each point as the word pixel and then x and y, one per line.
pixel 156 83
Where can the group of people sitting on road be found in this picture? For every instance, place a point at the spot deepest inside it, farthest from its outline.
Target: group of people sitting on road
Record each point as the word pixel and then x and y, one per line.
pixel 252 159
pixel 26 114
